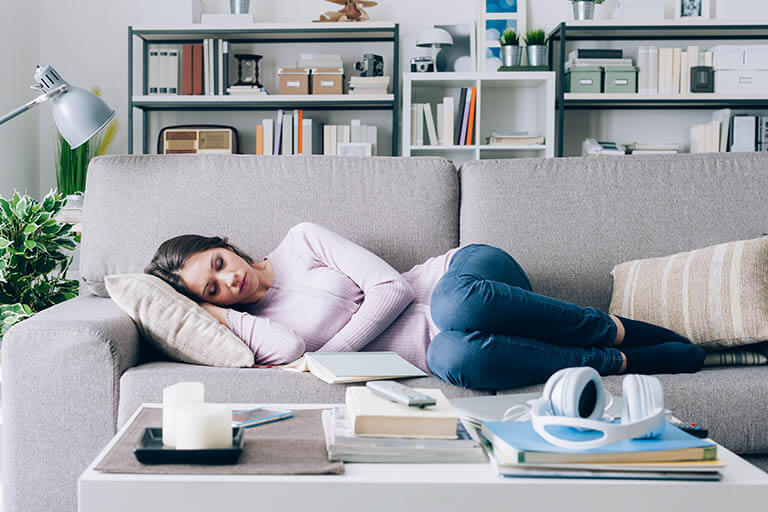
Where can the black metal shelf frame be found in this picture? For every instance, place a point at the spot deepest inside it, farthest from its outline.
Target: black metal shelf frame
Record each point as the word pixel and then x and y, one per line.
pixel 390 34
pixel 564 33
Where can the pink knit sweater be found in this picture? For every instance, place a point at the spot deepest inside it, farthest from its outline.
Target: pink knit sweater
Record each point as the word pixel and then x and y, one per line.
pixel 330 294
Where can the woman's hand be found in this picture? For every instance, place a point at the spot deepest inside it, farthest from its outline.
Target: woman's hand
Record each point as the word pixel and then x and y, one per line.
pixel 217 311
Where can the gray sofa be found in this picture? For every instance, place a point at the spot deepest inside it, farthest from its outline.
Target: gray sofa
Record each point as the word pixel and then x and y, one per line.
pixel 73 374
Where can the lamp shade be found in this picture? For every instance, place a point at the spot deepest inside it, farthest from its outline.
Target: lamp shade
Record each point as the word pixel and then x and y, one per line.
pixel 434 38
pixel 79 114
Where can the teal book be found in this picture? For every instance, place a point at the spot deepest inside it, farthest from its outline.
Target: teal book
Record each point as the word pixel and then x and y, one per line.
pixel 518 442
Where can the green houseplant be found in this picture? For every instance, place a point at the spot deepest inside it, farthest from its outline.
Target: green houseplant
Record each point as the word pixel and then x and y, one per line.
pixel 72 164
pixel 33 263
pixel 536 47
pixel 584 9
pixel 510 48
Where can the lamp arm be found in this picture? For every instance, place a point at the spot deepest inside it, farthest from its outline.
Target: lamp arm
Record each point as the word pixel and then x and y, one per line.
pixel 35 102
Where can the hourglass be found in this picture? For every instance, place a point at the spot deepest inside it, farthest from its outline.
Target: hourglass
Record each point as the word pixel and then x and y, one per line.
pixel 248 69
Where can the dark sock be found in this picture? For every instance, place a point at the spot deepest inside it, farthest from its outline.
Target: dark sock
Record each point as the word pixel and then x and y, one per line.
pixel 673 357
pixel 643 334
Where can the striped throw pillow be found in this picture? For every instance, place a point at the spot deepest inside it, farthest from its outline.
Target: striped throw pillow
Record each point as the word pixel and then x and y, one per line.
pixel 717 297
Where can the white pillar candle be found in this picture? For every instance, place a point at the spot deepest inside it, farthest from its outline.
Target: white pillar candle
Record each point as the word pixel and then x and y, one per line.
pixel 183 394
pixel 203 426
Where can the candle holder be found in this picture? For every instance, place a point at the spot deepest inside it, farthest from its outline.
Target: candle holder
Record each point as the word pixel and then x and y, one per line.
pixel 248 69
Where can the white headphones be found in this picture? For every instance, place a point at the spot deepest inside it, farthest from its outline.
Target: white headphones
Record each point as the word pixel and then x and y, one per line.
pixel 575 397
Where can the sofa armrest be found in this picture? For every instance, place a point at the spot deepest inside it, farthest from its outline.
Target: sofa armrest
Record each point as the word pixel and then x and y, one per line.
pixel 61 371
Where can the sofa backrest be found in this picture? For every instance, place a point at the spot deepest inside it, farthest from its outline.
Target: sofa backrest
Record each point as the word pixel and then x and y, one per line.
pixel 568 221
pixel 403 209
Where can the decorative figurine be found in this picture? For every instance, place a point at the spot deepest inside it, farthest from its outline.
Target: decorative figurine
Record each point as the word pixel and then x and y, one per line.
pixel 353 10
pixel 248 69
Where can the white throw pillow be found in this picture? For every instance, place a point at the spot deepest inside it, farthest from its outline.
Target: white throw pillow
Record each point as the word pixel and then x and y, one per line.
pixel 176 324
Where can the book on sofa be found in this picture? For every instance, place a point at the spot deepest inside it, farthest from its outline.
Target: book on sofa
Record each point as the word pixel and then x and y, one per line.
pixel 345 367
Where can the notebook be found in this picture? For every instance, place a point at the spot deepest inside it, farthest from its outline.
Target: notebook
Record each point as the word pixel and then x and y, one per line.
pixel 344 367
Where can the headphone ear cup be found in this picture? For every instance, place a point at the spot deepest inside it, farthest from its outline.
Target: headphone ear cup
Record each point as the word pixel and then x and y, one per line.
pixel 643 395
pixel 581 394
pixel 549 389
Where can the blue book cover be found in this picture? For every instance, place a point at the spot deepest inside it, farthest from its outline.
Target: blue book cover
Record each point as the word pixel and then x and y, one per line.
pixel 521 436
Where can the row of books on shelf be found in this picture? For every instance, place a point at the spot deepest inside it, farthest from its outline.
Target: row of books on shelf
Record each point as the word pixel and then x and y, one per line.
pixel 454 125
pixel 290 133
pixel 204 69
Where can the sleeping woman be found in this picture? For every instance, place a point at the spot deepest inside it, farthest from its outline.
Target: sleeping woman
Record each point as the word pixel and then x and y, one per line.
pixel 469 316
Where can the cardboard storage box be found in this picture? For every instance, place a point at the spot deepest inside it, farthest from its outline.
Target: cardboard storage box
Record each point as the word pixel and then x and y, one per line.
pixel 621 79
pixel 293 80
pixel 584 79
pixel 328 81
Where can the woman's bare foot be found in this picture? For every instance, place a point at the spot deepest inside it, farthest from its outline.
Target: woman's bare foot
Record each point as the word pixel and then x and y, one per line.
pixel 619 332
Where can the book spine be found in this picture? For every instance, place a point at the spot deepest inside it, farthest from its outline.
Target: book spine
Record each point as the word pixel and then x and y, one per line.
pixel 642 69
pixel 653 70
pixel 294 148
pixel 206 72
pixel 268 136
pixel 373 139
pixel 431 131
pixel 676 62
pixel 259 139
pixel 154 72
pixel 334 138
pixel 225 67
pixel 414 113
pixel 163 65
pixel 216 75
pixel 300 136
pixel 448 115
pixel 173 71
pixel 288 134
pixel 419 125
pixel 197 68
pixel 186 69
pixel 459 116
pixel 685 73
pixel 471 122
pixel 440 124
pixel 316 138
pixel 278 132
pixel 465 117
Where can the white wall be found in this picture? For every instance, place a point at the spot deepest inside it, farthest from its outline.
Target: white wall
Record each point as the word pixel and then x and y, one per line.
pixel 86 40
pixel 18 56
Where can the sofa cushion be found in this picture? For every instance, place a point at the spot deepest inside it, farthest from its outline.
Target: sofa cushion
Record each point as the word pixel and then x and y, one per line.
pixel 717 296
pixel 729 402
pixel 177 325
pixel 402 209
pixel 568 221
pixel 144 384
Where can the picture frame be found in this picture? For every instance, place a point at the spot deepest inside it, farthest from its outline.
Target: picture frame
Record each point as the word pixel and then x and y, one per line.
pixel 461 56
pixel 354 149
pixel 693 9
pixel 493 17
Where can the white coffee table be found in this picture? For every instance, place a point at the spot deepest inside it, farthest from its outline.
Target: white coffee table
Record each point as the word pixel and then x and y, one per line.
pixel 418 487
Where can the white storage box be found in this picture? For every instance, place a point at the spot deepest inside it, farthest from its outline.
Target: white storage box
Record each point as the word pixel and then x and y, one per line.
pixel 752 10
pixel 756 56
pixel 741 81
pixel 728 57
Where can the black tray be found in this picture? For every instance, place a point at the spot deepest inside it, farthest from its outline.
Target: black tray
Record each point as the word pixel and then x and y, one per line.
pixel 150 450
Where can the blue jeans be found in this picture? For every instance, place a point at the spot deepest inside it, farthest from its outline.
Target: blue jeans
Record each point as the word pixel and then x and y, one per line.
pixel 498 334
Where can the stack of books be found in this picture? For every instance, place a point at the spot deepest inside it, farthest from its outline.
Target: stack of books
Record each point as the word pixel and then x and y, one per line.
pixel 368 84
pixel 518 451
pixel 648 148
pixel 506 138
pixel 370 428
pixel 668 70
pixel 596 57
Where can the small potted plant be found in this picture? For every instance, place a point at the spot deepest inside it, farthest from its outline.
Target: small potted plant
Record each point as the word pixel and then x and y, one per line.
pixel 584 9
pixel 510 48
pixel 536 47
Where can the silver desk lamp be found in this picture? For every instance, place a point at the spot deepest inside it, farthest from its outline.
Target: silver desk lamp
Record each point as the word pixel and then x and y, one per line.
pixel 79 114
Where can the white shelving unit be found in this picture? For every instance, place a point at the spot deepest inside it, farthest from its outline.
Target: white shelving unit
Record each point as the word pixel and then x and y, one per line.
pixel 514 101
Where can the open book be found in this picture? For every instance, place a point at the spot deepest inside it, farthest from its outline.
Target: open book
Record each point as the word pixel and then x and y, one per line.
pixel 343 367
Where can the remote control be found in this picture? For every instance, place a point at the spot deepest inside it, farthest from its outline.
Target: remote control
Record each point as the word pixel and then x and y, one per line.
pixel 692 428
pixel 400 393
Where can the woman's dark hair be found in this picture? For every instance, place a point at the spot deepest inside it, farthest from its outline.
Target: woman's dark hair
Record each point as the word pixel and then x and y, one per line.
pixel 172 254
